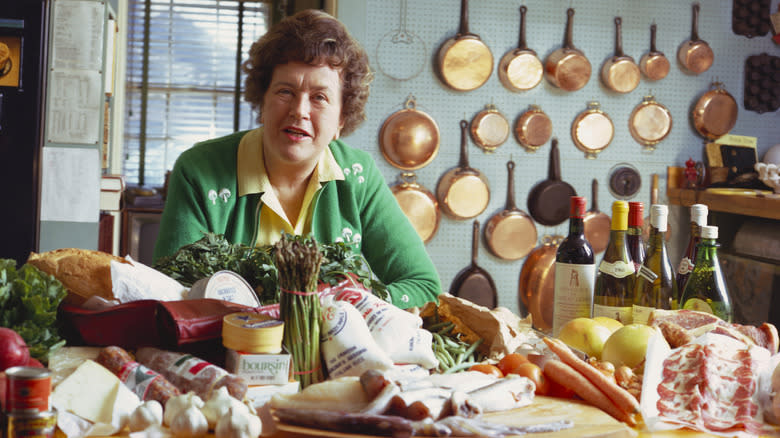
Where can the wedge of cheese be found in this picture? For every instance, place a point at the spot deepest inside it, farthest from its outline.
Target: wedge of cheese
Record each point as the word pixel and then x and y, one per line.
pixel 94 393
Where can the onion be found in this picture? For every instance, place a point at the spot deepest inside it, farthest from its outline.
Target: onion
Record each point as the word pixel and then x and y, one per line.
pixel 13 350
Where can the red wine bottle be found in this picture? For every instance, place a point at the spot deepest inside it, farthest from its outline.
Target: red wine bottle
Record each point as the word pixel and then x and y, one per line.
pixel 634 240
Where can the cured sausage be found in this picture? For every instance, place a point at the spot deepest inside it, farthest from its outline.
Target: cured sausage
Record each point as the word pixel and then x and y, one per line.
pixel 190 373
pixel 147 384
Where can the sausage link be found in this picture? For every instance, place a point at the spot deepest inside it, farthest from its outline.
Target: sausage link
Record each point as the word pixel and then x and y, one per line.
pixel 144 382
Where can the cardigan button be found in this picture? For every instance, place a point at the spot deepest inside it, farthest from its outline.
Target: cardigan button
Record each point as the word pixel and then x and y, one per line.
pixel 405 298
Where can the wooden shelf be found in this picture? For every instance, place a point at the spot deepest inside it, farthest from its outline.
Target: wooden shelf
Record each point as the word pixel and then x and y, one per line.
pixel 765 206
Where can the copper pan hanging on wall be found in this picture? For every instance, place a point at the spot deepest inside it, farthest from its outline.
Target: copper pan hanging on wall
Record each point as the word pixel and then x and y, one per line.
pixel 489 128
pixel 520 68
pixel 654 64
pixel 715 113
pixel 418 204
pixel 409 138
pixel 597 223
pixel 620 73
pixel 695 55
pixel 464 62
pixel 567 67
pixel 533 128
pixel 536 285
pixel 592 130
pixel 650 123
pixel 463 191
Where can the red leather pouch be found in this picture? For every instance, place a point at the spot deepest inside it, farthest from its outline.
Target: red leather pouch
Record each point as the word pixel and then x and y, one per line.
pixel 129 325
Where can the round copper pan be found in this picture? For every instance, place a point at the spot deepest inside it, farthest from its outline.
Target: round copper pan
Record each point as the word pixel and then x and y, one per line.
pixel 520 69
pixel 536 284
pixel 533 128
pixel 474 283
pixel 715 113
pixel 650 123
pixel 597 223
pixel 418 204
pixel 510 234
pixel 654 64
pixel 464 62
pixel 620 73
pixel 489 128
pixel 463 192
pixel 695 55
pixel 592 130
pixel 409 138
pixel 567 67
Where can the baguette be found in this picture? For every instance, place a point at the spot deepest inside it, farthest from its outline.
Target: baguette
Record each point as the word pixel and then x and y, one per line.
pixel 83 272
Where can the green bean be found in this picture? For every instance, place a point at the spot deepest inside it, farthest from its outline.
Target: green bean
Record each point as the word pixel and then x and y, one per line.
pixel 460 367
pixel 473 347
pixel 438 326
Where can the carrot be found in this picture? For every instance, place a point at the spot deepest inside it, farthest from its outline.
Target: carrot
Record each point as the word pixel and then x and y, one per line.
pixel 619 396
pixel 565 375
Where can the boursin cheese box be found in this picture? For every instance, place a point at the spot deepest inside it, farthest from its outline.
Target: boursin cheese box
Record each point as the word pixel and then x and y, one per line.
pixel 260 368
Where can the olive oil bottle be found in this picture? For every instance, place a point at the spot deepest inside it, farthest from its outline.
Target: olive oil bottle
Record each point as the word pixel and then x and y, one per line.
pixel 655 286
pixel 614 290
pixel 698 219
pixel 706 289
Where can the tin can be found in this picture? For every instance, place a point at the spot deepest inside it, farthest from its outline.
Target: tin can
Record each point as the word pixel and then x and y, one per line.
pixel 28 390
pixel 227 286
pixel 32 425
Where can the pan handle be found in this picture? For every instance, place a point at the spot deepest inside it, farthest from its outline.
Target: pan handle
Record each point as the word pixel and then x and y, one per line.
pixel 464 17
pixel 521 43
pixel 618 37
pixel 554 166
pixel 695 23
pixel 653 28
pixel 567 39
pixel 474 242
pixel 510 188
pixel 594 194
pixel 464 153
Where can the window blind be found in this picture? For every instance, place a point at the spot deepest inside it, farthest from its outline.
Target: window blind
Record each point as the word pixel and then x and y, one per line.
pixel 183 86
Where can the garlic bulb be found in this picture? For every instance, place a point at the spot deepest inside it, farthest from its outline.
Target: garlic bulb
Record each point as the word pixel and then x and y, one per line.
pixel 238 423
pixel 219 404
pixel 149 413
pixel 176 404
pixel 189 423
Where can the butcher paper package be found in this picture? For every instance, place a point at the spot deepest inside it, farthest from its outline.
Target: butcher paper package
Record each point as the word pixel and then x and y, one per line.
pixel 710 385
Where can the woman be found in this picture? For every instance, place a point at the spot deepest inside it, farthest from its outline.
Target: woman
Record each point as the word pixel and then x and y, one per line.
pixel 309 80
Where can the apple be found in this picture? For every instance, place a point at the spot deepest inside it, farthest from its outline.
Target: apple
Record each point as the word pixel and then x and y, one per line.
pixel 628 345
pixel 585 334
pixel 611 323
pixel 13 350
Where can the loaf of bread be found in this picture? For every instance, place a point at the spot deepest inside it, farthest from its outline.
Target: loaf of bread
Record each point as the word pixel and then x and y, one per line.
pixel 83 272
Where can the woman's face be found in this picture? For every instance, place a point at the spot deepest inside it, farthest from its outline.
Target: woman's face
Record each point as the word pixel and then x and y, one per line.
pixel 301 112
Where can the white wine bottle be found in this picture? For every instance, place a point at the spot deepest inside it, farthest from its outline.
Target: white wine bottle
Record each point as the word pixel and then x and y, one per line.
pixel 614 291
pixel 706 289
pixel 655 286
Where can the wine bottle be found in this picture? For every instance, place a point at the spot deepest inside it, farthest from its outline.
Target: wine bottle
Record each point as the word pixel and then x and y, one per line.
pixel 574 271
pixel 613 293
pixel 634 240
pixel 698 219
pixel 655 286
pixel 706 289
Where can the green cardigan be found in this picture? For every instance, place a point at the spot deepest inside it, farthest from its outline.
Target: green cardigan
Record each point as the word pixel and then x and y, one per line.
pixel 360 210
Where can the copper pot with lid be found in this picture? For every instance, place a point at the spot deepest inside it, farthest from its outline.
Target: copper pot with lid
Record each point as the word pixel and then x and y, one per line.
pixel 533 128
pixel 567 67
pixel 418 204
pixel 409 138
pixel 489 128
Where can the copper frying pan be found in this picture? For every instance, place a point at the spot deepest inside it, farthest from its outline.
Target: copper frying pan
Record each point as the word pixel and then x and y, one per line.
pixel 597 223
pixel 654 64
pixel 533 128
pixel 650 123
pixel 511 233
pixel 620 73
pixel 695 55
pixel 409 138
pixel 715 113
pixel 548 201
pixel 489 128
pixel 474 283
pixel 567 67
pixel 464 61
pixel 520 69
pixel 536 284
pixel 418 204
pixel 463 191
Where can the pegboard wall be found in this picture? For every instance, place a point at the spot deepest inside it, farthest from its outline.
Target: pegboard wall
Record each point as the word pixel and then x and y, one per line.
pixel 497 24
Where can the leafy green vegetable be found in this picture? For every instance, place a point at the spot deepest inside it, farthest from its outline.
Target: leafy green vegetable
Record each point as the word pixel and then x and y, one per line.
pixel 28 304
pixel 214 253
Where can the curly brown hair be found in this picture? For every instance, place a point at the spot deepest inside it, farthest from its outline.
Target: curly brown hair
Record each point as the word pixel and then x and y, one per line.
pixel 313 37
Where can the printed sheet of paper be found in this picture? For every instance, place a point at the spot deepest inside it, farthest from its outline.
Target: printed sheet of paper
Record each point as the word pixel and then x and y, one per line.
pixel 75 107
pixel 77 36
pixel 70 186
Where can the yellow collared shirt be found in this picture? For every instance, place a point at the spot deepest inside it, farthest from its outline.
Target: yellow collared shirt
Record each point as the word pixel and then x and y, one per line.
pixel 252 178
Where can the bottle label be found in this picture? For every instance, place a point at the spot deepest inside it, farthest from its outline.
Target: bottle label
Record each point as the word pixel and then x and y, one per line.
pixel 573 293
pixel 686 266
pixel 641 314
pixel 622 314
pixel 617 269
pixel 647 274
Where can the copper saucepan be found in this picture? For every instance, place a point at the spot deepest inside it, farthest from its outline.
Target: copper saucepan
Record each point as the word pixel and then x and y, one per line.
pixel 510 234
pixel 536 285
pixel 474 283
pixel 409 138
pixel 567 67
pixel 463 192
pixel 650 123
pixel 695 55
pixel 597 223
pixel 464 61
pixel 592 130
pixel 654 64
pixel 715 113
pixel 489 128
pixel 533 128
pixel 520 69
pixel 620 73
pixel 418 204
